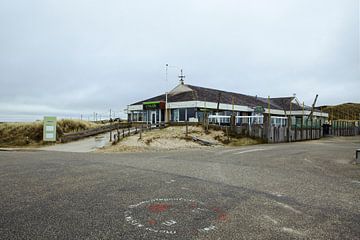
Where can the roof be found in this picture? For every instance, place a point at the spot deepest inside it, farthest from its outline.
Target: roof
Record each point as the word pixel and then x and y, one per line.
pixel 185 92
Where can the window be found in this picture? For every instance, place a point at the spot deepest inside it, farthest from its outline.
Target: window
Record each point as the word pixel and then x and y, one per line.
pixel 182 114
pixel 190 113
pixel 175 115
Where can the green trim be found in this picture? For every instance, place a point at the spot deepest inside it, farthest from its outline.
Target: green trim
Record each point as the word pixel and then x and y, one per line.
pixel 149 103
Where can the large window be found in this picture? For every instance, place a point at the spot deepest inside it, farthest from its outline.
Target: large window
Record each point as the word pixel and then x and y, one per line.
pixel 182 114
pixel 190 113
pixel 174 115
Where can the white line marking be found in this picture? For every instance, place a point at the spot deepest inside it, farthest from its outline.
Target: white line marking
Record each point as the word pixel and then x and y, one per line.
pixel 206 229
pixel 355 181
pixel 171 181
pixel 169 223
pixel 251 150
pixel 289 207
pixel 229 151
pixel 292 231
pixel 276 194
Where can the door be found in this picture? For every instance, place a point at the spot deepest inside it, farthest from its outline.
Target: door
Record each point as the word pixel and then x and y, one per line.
pixel 153 117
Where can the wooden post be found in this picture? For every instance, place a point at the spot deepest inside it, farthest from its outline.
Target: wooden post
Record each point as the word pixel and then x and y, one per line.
pixel 118 132
pixel 141 129
pixel 186 134
pixel 227 133
pixel 110 126
pixel 311 128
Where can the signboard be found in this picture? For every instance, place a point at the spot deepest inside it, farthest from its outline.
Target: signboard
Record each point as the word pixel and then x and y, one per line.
pixel 49 134
pixel 153 105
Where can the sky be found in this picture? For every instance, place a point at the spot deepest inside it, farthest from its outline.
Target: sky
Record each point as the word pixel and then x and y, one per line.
pixel 70 58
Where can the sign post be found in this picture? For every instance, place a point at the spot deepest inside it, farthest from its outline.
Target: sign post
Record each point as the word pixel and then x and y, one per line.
pixel 49 129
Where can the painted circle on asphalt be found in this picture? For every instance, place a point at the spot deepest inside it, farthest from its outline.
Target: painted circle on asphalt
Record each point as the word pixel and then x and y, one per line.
pixel 174 216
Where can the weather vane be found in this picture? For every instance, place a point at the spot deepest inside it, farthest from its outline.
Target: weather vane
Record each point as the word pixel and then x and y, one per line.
pixel 181 76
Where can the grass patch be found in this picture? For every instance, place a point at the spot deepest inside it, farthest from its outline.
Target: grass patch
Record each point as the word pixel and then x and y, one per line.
pixel 31 134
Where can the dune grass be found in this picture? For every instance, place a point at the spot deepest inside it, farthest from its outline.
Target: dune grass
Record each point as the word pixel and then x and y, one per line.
pixel 31 134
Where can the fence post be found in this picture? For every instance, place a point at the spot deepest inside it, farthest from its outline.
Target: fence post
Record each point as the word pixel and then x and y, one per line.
pixel 227 133
pixel 186 134
pixel 118 132
pixel 141 129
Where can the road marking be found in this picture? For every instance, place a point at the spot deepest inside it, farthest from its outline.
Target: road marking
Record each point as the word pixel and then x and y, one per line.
pixel 169 223
pixel 276 194
pixel 206 229
pixel 171 181
pixel 229 151
pixel 270 219
pixel 289 207
pixel 251 150
pixel 355 181
pixel 292 231
pixel 159 209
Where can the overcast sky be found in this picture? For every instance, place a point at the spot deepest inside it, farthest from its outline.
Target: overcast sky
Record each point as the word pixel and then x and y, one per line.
pixel 73 57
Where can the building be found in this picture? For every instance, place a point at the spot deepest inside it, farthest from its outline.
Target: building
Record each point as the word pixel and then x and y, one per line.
pixel 192 103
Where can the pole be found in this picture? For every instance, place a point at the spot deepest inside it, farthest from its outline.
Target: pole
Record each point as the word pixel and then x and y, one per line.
pixel 269 114
pixel 166 108
pixel 110 126
pixel 141 129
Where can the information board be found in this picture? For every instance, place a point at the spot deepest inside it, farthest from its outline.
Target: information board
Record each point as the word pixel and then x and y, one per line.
pixel 49 129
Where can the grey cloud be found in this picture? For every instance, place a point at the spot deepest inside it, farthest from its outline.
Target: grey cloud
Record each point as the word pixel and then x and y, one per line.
pixel 86 56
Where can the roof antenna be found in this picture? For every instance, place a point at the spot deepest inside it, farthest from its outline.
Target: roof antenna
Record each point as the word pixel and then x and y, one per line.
pixel 181 76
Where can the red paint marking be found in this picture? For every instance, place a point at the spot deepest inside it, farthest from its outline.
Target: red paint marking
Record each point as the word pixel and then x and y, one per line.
pixel 222 217
pixel 152 222
pixel 156 208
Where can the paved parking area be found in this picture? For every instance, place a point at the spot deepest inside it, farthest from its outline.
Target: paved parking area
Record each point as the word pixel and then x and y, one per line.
pixel 305 190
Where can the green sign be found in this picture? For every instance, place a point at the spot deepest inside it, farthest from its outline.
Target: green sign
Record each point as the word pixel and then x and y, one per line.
pixel 49 129
pixel 153 105
pixel 259 109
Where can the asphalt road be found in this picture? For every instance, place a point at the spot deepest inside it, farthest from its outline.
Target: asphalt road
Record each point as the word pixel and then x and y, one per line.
pixel 306 190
